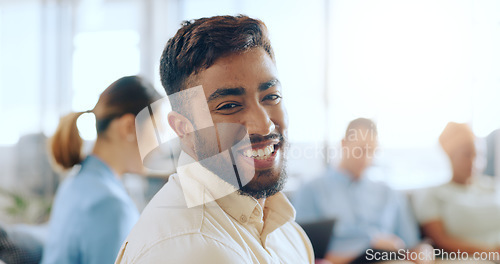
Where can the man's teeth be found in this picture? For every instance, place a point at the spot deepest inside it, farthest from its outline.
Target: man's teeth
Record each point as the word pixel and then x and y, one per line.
pixel 262 153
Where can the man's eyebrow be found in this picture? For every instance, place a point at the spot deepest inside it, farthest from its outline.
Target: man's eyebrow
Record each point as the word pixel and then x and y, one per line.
pixel 222 92
pixel 269 84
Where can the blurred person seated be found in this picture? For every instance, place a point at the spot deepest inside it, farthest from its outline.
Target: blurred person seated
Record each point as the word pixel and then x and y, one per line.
pixel 19 247
pixel 92 213
pixel 369 214
pixel 463 214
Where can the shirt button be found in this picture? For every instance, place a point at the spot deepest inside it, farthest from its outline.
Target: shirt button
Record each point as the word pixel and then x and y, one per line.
pixel 243 218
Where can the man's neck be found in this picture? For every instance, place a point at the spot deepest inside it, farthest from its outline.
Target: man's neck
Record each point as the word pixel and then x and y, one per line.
pixel 353 174
pixel 461 180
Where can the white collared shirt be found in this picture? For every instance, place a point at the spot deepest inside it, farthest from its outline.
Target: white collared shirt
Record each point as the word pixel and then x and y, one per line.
pixel 468 212
pixel 222 226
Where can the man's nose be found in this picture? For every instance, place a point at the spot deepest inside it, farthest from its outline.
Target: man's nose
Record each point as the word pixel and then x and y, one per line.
pixel 258 121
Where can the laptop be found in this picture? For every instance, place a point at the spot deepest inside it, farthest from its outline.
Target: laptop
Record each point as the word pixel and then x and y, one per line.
pixel 320 233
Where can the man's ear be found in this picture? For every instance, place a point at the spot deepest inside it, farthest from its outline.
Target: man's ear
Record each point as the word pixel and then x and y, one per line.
pixel 184 129
pixel 180 124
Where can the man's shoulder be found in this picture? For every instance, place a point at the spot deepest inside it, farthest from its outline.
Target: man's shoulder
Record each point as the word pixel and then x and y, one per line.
pixel 373 182
pixel 166 216
pixel 167 225
pixel 196 247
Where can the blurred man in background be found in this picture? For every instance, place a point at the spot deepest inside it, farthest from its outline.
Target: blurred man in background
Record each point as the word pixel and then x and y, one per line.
pixel 369 215
pixel 462 215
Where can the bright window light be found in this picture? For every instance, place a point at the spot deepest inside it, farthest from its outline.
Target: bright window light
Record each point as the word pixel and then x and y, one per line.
pixel 100 58
pixel 413 66
pixel 86 127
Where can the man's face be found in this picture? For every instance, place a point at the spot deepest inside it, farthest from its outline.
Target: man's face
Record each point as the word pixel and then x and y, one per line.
pixel 243 89
pixel 462 160
pixel 359 149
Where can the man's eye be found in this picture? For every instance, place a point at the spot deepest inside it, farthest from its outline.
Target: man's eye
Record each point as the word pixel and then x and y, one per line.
pixel 228 106
pixel 272 97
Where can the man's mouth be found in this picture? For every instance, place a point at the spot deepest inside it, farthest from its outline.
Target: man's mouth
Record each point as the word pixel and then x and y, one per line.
pixel 260 153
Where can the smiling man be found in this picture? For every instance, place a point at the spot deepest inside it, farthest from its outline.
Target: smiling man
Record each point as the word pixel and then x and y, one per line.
pixel 224 205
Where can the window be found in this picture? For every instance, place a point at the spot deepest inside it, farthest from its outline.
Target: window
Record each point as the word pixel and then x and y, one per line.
pixel 20 109
pixel 99 59
pixel 413 67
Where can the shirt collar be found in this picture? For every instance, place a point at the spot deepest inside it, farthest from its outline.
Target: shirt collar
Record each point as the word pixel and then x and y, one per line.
pixel 281 207
pixel 200 185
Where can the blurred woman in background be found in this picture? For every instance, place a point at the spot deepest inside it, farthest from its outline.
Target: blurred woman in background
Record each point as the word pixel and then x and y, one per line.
pixel 92 213
pixel 463 214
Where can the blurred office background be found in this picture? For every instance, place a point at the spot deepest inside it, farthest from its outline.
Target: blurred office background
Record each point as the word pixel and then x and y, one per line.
pixel 412 66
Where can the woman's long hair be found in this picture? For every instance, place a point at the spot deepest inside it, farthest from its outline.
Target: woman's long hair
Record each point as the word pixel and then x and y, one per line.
pixel 127 95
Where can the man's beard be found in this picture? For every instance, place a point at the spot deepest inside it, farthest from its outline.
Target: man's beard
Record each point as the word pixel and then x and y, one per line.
pixel 256 190
pixel 263 183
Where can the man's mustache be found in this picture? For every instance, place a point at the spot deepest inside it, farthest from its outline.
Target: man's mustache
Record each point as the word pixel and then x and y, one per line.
pixel 255 138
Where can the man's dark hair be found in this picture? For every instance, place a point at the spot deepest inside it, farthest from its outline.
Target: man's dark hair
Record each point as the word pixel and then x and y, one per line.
pixel 199 43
